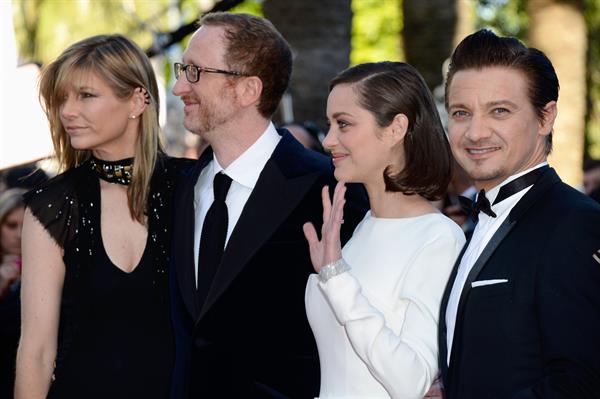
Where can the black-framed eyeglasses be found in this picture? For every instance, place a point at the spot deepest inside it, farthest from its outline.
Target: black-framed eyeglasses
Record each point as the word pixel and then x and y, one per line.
pixel 192 72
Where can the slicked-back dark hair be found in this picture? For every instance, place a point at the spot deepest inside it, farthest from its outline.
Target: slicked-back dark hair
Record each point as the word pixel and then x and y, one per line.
pixel 484 49
pixel 387 89
pixel 255 47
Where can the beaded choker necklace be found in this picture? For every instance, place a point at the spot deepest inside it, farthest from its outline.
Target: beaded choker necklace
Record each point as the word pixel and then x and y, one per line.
pixel 113 171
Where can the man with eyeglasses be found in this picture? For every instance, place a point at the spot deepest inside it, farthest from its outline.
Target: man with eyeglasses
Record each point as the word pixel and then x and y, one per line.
pixel 240 261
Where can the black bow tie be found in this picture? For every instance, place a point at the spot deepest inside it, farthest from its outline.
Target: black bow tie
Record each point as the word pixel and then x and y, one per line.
pixel 482 204
pixel 472 208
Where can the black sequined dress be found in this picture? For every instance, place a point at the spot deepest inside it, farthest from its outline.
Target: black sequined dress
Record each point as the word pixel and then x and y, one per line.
pixel 115 338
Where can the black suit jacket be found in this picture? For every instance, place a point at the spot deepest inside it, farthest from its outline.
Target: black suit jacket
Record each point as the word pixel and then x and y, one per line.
pixel 538 335
pixel 251 338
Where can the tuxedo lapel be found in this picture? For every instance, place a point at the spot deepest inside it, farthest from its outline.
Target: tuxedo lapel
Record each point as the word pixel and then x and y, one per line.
pixel 489 249
pixel 274 197
pixel 183 232
pixel 535 194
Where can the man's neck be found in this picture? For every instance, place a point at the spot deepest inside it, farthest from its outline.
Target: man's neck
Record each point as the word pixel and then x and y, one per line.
pixel 229 145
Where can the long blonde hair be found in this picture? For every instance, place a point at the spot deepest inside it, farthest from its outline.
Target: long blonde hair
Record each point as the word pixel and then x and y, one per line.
pixel 124 67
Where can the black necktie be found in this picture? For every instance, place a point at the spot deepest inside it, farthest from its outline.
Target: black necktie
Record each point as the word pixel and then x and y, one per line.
pixel 482 204
pixel 212 239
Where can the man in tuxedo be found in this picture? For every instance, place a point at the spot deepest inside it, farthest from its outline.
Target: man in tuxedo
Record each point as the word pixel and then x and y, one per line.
pixel 240 262
pixel 520 316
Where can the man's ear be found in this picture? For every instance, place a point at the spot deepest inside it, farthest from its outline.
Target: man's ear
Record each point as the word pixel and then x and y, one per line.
pixel 139 101
pixel 550 113
pixel 249 90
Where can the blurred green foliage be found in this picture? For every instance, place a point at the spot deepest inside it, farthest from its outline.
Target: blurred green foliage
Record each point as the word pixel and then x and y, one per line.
pixel 592 16
pixel 505 17
pixel 253 7
pixel 44 28
pixel 376 31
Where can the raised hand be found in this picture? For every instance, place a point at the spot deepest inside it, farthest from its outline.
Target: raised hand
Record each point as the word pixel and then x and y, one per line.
pixel 329 248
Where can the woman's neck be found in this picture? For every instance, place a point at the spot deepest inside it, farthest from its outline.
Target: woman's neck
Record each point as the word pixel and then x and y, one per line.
pixel 387 204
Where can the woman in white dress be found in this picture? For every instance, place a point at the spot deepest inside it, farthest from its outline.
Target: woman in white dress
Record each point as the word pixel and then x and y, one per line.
pixel 373 306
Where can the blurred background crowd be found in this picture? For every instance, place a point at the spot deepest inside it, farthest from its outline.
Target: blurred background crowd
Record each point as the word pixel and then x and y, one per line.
pixel 326 36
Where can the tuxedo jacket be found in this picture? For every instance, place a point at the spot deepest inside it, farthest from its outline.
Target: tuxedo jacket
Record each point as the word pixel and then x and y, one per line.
pixel 537 335
pixel 251 338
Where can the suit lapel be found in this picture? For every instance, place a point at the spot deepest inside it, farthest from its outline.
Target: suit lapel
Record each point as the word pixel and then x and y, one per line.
pixel 272 200
pixel 183 233
pixel 489 249
pixel 533 196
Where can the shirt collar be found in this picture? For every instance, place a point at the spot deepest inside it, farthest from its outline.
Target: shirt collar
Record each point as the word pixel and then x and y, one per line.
pixel 246 169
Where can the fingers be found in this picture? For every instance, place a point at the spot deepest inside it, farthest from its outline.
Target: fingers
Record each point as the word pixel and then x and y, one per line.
pixel 338 203
pixel 326 203
pixel 310 233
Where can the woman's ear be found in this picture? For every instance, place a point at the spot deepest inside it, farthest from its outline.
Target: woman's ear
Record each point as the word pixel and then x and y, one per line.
pixel 139 101
pixel 398 129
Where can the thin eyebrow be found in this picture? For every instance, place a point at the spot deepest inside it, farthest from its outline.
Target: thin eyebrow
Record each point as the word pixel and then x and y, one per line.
pixel 338 114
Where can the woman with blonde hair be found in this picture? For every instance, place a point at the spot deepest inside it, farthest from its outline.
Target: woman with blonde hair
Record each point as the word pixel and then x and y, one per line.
pixel 95 321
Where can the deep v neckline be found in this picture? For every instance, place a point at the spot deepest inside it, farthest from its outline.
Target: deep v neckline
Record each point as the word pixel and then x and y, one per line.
pixel 102 246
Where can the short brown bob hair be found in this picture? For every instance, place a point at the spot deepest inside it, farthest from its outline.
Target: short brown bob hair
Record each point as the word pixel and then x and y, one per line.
pixel 387 89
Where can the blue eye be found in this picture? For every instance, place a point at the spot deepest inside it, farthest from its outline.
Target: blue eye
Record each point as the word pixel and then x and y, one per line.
pixel 460 114
pixel 500 110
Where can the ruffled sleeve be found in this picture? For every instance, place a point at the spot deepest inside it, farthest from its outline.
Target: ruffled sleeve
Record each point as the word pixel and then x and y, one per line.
pixel 55 205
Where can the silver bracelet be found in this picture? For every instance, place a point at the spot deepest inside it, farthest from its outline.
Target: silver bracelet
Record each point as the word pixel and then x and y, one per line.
pixel 333 269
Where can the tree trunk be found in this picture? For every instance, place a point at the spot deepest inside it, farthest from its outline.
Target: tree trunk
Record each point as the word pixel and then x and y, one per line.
pixel 319 32
pixel 429 27
pixel 465 21
pixel 558 29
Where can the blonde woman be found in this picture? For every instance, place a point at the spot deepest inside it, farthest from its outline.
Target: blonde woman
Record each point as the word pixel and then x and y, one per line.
pixel 95 322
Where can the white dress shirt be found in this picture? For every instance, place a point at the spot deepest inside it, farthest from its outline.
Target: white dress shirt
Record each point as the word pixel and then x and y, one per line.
pixel 244 172
pixel 484 231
